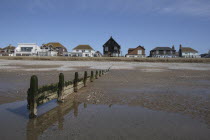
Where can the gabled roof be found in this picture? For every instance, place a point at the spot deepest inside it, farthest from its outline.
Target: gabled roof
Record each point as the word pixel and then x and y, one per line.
pixel 54 44
pixel 111 41
pixel 9 47
pixel 133 51
pixel 83 47
pixel 162 49
pixel 188 49
pixel 99 52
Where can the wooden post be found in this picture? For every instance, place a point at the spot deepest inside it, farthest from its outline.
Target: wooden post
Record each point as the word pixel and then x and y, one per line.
pixel 96 74
pixel 60 87
pixel 76 82
pixel 91 76
pixel 100 73
pixel 85 79
pixel 32 94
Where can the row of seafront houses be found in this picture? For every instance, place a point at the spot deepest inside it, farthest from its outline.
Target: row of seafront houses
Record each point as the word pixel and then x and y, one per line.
pixel 110 49
pixel 49 49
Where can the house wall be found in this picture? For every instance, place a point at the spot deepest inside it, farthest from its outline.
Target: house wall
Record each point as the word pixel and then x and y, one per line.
pixel 190 55
pixel 81 53
pixel 46 52
pixel 112 50
pixel 33 52
pixel 136 51
pixel 163 54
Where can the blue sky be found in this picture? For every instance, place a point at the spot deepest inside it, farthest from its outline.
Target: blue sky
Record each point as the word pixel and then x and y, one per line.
pixel 150 23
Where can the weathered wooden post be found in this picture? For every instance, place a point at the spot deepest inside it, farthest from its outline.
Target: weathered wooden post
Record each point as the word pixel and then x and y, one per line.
pixel 100 73
pixel 96 76
pixel 32 94
pixel 60 87
pixel 76 78
pixel 85 79
pixel 91 76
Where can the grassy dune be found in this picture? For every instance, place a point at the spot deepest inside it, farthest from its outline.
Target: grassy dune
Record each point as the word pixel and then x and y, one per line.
pixel 173 60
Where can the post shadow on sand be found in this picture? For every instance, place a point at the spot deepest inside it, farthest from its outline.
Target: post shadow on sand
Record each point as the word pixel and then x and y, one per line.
pixel 20 111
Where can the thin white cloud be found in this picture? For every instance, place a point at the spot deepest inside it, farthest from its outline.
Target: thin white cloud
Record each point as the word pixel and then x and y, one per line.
pixel 178 7
pixel 188 7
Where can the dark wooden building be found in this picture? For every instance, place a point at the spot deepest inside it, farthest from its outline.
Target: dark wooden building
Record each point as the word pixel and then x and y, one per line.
pixel 111 48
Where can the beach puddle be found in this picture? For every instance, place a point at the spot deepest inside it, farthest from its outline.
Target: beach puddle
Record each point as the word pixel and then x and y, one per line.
pixel 74 120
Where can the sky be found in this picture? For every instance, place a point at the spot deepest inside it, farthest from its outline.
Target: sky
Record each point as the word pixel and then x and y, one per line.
pixel 149 23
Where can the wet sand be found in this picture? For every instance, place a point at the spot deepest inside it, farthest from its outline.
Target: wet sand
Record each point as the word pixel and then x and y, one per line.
pixel 133 101
pixel 91 122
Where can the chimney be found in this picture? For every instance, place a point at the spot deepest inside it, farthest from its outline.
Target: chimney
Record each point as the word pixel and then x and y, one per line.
pixel 173 47
pixel 180 47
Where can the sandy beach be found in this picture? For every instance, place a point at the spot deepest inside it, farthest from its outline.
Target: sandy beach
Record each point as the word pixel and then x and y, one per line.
pixel 129 99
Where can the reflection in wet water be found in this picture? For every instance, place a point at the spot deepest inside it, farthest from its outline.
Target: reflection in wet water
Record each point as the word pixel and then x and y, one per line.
pixel 37 126
pixel 74 120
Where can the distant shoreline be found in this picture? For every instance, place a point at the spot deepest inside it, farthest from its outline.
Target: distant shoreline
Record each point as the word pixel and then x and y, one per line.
pixel 117 59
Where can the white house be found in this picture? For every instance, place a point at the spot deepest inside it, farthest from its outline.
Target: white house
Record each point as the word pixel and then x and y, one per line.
pixel 27 49
pixel 98 54
pixel 81 51
pixel 188 52
pixel 51 48
pixel 7 51
pixel 47 51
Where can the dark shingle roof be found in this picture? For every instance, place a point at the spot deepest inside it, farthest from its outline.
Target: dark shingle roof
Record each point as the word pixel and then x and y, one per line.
pixel 83 47
pixel 162 49
pixel 99 52
pixel 54 44
pixel 188 49
pixel 9 47
pixel 131 49
pixel 111 41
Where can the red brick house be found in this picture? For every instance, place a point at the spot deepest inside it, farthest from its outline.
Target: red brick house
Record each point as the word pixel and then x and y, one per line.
pixel 136 52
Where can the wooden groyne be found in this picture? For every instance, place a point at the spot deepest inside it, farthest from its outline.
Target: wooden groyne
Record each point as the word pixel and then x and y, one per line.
pixel 37 96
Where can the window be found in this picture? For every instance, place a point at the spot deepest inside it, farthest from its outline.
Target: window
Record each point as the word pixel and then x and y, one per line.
pixel 26 49
pixel 115 48
pixel 83 50
pixel 139 51
pixel 106 49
